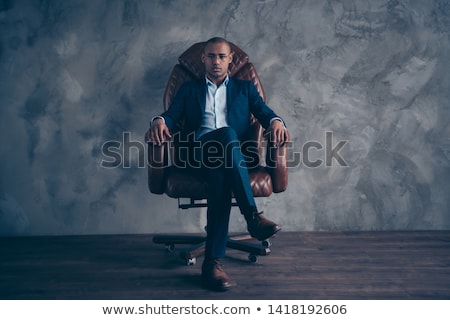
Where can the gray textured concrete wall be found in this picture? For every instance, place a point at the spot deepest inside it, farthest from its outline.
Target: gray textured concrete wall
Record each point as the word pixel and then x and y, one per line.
pixel 75 74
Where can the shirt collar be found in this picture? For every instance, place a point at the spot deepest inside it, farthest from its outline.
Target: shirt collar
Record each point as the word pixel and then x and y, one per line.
pixel 225 82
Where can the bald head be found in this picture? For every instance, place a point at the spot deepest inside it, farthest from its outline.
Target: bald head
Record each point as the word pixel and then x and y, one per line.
pixel 217 40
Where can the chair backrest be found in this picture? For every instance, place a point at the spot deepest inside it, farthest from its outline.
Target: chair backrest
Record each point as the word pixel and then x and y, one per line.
pixel 191 67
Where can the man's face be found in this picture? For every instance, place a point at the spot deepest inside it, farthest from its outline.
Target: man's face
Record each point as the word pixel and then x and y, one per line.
pixel 217 57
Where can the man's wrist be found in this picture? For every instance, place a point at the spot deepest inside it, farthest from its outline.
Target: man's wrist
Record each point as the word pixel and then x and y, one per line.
pixel 279 119
pixel 155 118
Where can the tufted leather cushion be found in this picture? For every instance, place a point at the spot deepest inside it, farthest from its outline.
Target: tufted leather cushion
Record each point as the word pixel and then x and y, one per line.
pixel 261 182
pixel 191 59
pixel 178 76
pixel 182 183
pixel 248 72
pixel 187 184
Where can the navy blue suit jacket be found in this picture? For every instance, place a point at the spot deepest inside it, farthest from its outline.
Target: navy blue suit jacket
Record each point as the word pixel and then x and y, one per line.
pixel 242 99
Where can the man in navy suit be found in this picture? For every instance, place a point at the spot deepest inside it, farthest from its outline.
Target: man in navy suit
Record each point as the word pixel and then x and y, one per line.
pixel 216 112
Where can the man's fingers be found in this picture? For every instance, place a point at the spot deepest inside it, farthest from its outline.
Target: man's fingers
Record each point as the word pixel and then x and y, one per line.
pixel 276 136
pixel 280 136
pixel 155 137
pixel 159 133
pixel 285 136
pixel 167 133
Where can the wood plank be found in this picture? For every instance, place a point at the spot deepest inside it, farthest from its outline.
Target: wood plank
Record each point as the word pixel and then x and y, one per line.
pixel 302 265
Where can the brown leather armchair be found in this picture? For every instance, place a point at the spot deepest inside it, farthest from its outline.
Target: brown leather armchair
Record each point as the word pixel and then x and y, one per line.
pixel 266 177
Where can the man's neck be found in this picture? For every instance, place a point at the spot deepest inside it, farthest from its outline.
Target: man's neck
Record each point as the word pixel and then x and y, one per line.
pixel 217 82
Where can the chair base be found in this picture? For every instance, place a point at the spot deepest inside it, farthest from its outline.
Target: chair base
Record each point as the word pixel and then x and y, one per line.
pixel 236 242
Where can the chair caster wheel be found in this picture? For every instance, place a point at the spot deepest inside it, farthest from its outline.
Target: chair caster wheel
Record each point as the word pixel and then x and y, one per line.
pixel 252 258
pixel 191 261
pixel 266 243
pixel 170 247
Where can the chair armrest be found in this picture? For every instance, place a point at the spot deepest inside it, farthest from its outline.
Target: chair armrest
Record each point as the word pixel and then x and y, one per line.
pixel 157 165
pixel 276 162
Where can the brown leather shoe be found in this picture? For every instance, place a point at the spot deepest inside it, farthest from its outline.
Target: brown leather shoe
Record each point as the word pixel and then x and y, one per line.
pixel 260 227
pixel 213 275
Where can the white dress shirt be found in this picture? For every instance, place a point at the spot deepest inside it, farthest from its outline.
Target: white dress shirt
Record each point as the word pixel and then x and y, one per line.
pixel 215 114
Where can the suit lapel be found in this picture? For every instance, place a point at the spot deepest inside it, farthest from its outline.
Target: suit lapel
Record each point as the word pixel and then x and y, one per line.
pixel 231 94
pixel 201 95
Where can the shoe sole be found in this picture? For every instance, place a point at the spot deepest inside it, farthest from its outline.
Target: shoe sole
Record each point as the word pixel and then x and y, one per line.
pixel 269 236
pixel 216 288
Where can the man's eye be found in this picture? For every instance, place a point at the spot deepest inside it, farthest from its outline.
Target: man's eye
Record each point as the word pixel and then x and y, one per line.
pixel 220 56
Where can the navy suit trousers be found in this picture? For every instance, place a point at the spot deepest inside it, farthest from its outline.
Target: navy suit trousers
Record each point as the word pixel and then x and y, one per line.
pixel 224 167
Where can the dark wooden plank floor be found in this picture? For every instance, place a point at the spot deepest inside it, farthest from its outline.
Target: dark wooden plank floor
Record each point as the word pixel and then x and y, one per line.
pixel 304 265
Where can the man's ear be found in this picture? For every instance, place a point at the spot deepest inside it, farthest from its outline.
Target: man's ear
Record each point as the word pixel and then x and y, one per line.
pixel 203 57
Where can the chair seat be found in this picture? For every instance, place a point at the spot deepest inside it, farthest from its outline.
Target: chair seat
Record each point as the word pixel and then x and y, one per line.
pixel 186 183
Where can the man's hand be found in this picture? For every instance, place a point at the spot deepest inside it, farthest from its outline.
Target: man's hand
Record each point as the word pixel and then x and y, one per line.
pixel 278 133
pixel 159 132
